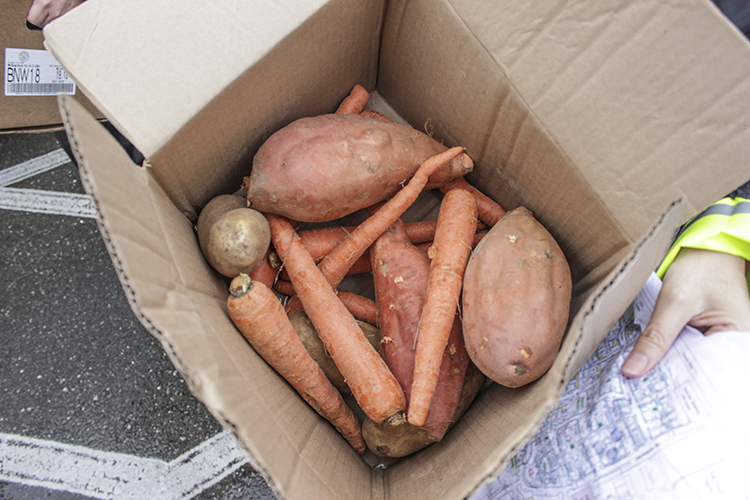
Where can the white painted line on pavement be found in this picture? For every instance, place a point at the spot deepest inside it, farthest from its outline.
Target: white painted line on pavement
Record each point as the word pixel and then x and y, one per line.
pixel 30 168
pixel 36 200
pixel 47 202
pixel 109 476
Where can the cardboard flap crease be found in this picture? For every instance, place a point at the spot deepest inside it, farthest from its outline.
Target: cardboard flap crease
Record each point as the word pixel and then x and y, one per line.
pixel 612 121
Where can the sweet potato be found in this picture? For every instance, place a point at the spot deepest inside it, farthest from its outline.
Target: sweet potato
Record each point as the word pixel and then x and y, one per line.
pixel 233 238
pixel 516 300
pixel 310 339
pixel 400 275
pixel 397 441
pixel 324 167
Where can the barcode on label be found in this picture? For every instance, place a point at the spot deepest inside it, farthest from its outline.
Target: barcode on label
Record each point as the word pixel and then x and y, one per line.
pixel 32 72
pixel 40 88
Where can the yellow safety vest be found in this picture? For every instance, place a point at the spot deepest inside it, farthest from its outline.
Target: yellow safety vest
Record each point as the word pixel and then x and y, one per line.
pixel 723 227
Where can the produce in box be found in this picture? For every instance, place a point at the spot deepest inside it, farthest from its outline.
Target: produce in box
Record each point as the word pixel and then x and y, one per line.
pixel 514 287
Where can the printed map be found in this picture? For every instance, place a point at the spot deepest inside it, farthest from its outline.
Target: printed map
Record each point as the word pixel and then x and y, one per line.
pixel 665 436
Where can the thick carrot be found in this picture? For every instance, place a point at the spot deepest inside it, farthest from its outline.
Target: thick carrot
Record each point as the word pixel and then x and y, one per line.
pixel 451 250
pixel 355 101
pixel 373 385
pixel 488 209
pixel 425 247
pixel 261 319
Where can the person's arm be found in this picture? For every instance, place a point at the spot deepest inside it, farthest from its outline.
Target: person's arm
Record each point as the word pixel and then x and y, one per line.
pixel 705 283
pixel 42 12
pixel 706 289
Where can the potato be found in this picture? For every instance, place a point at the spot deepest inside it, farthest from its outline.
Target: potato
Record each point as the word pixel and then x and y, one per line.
pixel 404 439
pixel 309 336
pixel 325 167
pixel 232 237
pixel 516 300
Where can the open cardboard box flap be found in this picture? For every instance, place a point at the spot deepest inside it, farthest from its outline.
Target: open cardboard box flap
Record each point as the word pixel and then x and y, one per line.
pixel 26 113
pixel 598 116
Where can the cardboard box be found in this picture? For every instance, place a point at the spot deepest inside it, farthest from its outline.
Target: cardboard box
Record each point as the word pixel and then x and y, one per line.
pixel 27 112
pixel 612 121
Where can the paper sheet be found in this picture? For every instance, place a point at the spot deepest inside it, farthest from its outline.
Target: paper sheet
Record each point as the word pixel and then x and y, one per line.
pixel 678 433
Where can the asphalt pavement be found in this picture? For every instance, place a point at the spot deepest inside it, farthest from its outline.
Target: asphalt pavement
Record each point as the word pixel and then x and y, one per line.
pixel 90 404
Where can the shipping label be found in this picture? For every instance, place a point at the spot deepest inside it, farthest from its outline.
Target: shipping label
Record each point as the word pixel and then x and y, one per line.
pixel 35 72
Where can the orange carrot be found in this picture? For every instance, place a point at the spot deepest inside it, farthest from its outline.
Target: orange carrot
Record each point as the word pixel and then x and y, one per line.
pixel 268 269
pixel 360 266
pixel 489 210
pixel 425 247
pixel 337 263
pixel 373 385
pixel 375 114
pixel 284 287
pixel 320 241
pixel 261 319
pixel 355 101
pixel 449 253
pixel 361 307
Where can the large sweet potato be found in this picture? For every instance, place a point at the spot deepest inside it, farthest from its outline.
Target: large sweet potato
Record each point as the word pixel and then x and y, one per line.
pixel 400 275
pixel 516 300
pixel 324 167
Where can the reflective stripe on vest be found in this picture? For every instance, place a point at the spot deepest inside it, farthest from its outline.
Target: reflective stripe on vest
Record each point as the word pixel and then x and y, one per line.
pixel 723 227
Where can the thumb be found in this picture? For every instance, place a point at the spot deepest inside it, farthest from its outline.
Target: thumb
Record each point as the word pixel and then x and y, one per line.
pixel 665 325
pixel 37 15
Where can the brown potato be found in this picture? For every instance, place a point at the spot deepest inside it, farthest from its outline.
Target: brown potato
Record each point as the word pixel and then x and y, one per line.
pixel 213 210
pixel 232 237
pixel 309 336
pixel 396 441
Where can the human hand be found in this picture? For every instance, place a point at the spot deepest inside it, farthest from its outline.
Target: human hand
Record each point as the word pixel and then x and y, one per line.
pixel 702 288
pixel 42 12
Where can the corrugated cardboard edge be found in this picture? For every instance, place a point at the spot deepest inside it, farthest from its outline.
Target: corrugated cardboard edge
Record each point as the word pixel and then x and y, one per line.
pixel 112 47
pixel 219 366
pixel 131 295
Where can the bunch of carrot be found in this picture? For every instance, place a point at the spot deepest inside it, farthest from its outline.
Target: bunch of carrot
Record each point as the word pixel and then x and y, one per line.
pixel 314 263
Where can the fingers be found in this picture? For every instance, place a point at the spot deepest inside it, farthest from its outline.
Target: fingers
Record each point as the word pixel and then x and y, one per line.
pixel 42 12
pixel 38 14
pixel 666 323
pixel 703 288
pixel 675 306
